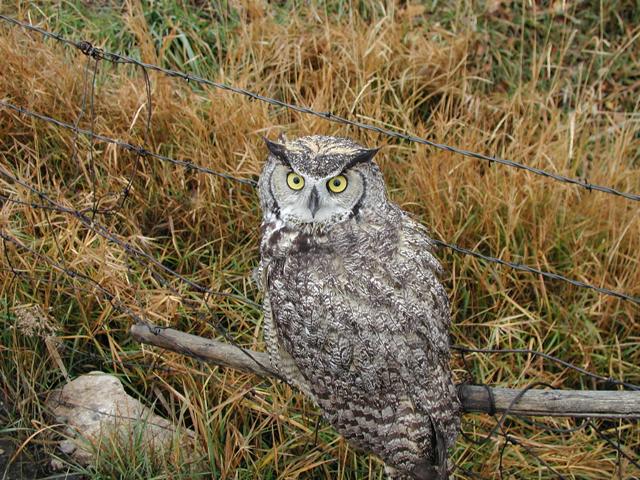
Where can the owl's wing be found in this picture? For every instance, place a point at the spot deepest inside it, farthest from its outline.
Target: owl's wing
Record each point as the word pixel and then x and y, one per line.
pixel 278 355
pixel 425 346
pixel 419 297
pixel 422 349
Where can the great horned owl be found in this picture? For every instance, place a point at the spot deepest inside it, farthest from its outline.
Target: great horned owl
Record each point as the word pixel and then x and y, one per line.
pixel 355 316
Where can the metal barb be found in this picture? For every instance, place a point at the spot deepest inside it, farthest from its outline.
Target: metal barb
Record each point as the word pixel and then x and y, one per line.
pixel 117 58
pixel 47 204
pixel 191 166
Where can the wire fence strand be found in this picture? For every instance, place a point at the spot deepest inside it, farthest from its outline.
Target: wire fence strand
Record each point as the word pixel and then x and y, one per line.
pixel 498 430
pixel 88 49
pixel 158 270
pixel 125 145
pixel 189 165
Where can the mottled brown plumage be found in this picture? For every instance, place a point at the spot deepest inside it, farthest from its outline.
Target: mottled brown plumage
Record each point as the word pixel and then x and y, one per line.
pixel 355 315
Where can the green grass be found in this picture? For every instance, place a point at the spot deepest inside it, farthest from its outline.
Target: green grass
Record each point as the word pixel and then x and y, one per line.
pixel 555 89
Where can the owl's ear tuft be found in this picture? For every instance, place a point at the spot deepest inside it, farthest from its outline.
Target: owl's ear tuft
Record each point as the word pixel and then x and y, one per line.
pixel 277 150
pixel 364 155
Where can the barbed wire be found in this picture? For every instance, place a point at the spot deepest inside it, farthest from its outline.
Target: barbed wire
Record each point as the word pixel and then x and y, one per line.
pixel 145 153
pixel 537 271
pixel 88 49
pixel 112 298
pixel 98 54
pixel 90 92
pixel 127 247
pixel 127 146
pixel 498 429
pixel 87 217
pixel 546 356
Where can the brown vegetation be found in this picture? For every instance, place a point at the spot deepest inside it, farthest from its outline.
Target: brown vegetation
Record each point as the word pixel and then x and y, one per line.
pixel 569 110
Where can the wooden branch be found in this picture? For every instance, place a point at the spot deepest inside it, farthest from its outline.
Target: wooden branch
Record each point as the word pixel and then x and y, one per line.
pixel 474 398
pixel 206 350
pixel 553 403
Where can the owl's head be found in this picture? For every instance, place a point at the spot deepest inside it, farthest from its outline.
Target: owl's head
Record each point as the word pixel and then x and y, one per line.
pixel 319 180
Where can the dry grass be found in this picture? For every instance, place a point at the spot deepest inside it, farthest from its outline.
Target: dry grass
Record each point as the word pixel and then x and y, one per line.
pixel 549 88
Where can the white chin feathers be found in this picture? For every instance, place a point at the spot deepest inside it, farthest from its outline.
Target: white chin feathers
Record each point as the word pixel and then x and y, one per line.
pixel 323 216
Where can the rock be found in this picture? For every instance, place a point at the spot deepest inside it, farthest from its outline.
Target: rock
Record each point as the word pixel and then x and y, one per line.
pixel 97 411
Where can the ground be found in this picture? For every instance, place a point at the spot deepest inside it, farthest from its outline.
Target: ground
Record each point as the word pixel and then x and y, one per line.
pixel 552 85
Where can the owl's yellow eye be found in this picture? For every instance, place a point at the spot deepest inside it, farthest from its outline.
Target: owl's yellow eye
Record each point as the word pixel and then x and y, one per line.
pixel 295 181
pixel 337 184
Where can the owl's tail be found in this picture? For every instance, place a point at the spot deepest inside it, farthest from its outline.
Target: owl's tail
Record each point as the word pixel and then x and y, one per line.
pixel 422 472
pixel 426 470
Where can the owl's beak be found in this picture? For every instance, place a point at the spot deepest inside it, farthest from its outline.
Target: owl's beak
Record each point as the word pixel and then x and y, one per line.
pixel 314 202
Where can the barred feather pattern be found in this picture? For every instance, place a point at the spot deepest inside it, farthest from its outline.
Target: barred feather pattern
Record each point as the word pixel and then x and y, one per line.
pixel 356 317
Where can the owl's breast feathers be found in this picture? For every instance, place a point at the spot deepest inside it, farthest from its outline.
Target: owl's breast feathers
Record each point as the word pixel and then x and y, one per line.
pixel 361 313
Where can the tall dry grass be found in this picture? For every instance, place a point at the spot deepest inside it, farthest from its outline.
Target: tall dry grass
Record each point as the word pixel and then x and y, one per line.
pixel 567 109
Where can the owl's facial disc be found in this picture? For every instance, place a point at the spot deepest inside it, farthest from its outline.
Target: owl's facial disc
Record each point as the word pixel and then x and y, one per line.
pixel 307 199
pixel 319 180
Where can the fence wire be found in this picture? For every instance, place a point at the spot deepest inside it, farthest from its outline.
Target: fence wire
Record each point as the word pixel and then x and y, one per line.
pixel 191 166
pixel 88 49
pixel 499 430
pixel 165 275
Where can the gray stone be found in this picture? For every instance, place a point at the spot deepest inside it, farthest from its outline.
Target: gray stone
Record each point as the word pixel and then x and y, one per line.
pixel 97 411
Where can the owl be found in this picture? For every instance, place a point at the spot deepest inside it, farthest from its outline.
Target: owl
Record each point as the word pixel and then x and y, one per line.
pixel 354 313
